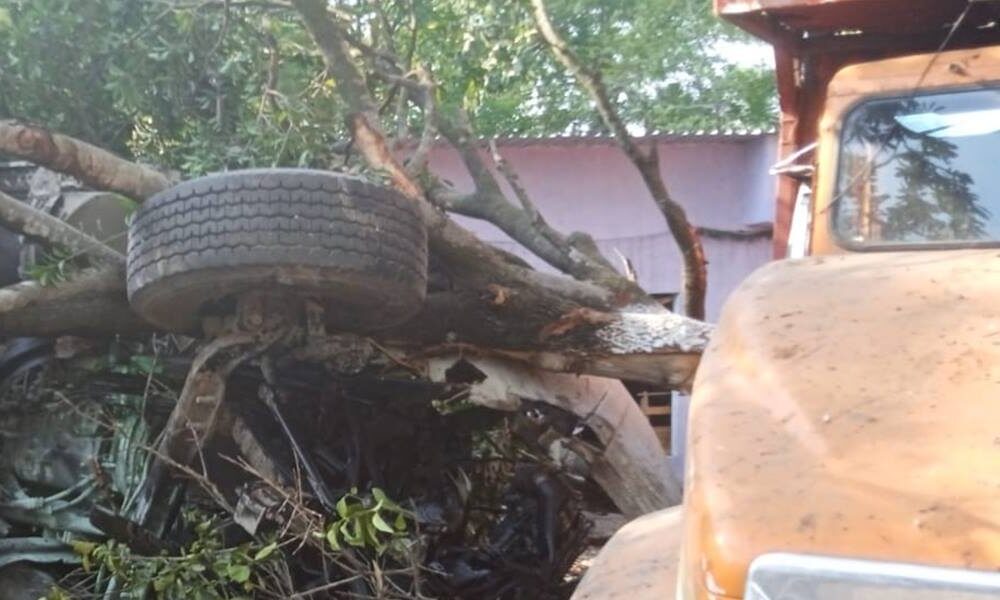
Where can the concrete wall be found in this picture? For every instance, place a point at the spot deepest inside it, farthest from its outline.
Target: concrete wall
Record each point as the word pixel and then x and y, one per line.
pixel 588 185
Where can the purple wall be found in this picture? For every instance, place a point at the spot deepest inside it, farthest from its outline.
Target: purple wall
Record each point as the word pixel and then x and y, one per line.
pixel 587 184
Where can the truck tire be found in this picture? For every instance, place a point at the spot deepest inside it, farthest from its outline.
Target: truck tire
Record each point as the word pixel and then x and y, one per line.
pixel 358 248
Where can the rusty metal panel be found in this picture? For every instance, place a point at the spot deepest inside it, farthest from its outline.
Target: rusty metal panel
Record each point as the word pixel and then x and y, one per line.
pixel 775 19
pixel 817 37
pixel 869 436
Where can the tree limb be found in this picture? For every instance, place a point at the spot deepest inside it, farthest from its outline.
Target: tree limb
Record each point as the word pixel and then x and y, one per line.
pixel 648 164
pixel 92 302
pixel 515 184
pixel 466 256
pixel 537 309
pixel 29 221
pixel 489 203
pixel 538 327
pixel 417 162
pixel 93 166
pixel 363 114
pixel 573 325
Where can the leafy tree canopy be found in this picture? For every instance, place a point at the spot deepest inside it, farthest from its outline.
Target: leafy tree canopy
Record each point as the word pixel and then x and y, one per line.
pixel 200 85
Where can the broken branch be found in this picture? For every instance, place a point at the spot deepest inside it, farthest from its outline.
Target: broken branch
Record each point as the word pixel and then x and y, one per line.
pixel 93 166
pixel 515 184
pixel 29 221
pixel 656 347
pixel 92 302
pixel 418 160
pixel 685 235
pixel 526 226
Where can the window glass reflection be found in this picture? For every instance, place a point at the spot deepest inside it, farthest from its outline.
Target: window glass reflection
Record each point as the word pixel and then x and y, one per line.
pixel 921 169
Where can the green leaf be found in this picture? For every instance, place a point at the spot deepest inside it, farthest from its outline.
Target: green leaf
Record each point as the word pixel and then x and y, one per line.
pixel 83 548
pixel 342 508
pixel 400 522
pixel 238 573
pixel 354 533
pixel 380 524
pixel 370 536
pixel 383 499
pixel 265 552
pixel 163 582
pixel 331 539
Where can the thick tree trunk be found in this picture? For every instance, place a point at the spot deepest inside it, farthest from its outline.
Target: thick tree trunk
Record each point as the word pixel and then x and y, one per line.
pixel 656 347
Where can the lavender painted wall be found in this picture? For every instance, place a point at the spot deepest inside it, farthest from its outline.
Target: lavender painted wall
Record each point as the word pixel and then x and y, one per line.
pixel 582 184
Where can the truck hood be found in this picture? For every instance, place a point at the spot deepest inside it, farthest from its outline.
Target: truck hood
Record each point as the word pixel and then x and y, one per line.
pixel 849 405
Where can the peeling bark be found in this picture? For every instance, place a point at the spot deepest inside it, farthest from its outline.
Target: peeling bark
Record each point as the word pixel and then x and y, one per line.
pixel 656 347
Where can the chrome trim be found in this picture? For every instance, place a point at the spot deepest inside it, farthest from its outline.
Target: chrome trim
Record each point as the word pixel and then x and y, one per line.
pixel 894 577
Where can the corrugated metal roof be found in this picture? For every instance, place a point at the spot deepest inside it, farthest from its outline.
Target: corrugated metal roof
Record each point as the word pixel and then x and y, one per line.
pixel 659 136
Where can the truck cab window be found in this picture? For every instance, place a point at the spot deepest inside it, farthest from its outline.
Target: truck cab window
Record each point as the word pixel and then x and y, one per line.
pixel 924 169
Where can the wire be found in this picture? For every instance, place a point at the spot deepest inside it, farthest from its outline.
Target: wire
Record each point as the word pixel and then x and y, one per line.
pixel 955 26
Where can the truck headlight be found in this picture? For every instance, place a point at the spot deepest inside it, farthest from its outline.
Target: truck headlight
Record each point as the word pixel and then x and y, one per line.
pixel 805 577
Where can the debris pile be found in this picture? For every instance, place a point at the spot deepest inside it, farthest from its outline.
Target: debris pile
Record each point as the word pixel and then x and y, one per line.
pixel 361 479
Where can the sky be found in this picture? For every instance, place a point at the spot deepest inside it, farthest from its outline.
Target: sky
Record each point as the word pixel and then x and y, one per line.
pixel 747 54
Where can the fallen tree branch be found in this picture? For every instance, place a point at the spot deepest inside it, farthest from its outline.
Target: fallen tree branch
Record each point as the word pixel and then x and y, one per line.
pixel 31 222
pixel 488 202
pixel 92 303
pixel 93 166
pixel 417 162
pixel 362 112
pixel 525 225
pixel 736 234
pixel 536 300
pixel 492 303
pixel 656 347
pixel 648 164
pixel 527 204
pixel 467 257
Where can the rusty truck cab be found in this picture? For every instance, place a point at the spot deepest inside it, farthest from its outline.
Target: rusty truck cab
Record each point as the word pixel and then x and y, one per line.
pixel 842 438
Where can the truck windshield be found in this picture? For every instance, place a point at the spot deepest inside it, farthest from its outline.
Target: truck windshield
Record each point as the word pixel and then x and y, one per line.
pixel 921 169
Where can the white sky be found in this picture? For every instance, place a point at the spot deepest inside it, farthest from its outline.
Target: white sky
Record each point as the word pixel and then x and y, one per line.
pixel 747 54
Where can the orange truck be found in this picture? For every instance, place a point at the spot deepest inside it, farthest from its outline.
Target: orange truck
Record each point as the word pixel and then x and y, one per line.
pixel 844 428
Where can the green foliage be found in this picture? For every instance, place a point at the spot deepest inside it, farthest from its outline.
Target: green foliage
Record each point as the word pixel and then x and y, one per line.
pixel 661 59
pixel 55 266
pixel 205 569
pixel 374 522
pixel 180 88
pixel 200 87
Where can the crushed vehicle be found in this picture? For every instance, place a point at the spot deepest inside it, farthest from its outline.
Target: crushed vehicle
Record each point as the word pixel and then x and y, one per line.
pixel 842 433
pixel 254 442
